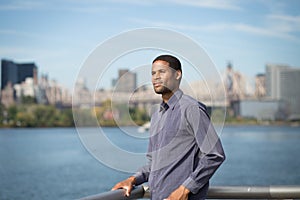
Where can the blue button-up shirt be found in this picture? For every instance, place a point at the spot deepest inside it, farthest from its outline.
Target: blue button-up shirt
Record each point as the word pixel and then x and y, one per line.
pixel 184 149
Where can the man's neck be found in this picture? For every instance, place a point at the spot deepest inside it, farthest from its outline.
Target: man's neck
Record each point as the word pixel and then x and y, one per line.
pixel 167 96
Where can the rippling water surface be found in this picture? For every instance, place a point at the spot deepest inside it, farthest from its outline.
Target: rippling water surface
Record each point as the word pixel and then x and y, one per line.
pixel 53 163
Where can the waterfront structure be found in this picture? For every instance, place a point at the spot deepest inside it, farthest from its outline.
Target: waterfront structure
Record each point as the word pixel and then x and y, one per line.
pixel 7 95
pixel 235 84
pixel 282 83
pixel 16 73
pixel 12 76
pixel 25 88
pixel 260 86
pixel 82 97
pixel 21 79
pixel 51 92
pixel 126 81
pixel 43 86
pixel 263 109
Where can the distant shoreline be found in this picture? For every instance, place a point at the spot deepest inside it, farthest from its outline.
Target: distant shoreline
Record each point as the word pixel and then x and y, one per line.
pixel 264 123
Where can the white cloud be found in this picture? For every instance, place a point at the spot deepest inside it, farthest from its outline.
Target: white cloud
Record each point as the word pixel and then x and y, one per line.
pixel 285 23
pixel 214 4
pixel 134 2
pixel 264 31
pixel 22 5
pixel 268 30
pixel 12 32
pixel 288 18
pixel 92 5
pixel 150 23
pixel 9 51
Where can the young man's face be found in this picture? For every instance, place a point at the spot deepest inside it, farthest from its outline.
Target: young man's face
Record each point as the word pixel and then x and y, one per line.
pixel 164 78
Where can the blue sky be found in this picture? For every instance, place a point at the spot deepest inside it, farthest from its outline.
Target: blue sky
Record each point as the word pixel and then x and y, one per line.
pixel 59 35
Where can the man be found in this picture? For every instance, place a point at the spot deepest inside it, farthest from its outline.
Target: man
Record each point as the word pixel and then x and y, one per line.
pixel 184 149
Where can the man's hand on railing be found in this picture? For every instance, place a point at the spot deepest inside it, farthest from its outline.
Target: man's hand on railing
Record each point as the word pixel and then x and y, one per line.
pixel 127 185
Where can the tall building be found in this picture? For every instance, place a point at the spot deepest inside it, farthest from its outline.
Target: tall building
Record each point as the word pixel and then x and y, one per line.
pixel 17 73
pixel 126 81
pixel 26 88
pixel 282 83
pixel 235 84
pixel 82 97
pixel 260 85
pixel 7 95
pixel 273 83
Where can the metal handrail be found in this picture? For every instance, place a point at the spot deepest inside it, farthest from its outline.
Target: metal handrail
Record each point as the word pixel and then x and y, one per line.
pixel 214 192
pixel 254 192
pixel 136 193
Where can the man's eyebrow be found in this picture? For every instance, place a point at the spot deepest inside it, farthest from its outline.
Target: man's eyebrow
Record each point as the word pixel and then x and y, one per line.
pixel 159 70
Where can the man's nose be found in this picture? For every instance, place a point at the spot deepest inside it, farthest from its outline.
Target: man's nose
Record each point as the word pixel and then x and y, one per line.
pixel 156 76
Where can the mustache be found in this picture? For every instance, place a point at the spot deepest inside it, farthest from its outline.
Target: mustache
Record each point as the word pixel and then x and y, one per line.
pixel 157 82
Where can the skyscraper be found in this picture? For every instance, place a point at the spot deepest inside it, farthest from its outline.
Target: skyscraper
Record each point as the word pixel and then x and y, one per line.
pixel 260 85
pixel 17 73
pixel 282 83
pixel 126 81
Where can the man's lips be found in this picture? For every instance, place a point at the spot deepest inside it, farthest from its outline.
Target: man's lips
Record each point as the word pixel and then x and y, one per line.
pixel 157 84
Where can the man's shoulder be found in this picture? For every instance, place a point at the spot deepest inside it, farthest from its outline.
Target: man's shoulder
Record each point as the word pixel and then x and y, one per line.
pixel 188 100
pixel 191 103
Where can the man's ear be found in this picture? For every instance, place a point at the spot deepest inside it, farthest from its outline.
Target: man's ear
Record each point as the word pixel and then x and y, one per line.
pixel 178 75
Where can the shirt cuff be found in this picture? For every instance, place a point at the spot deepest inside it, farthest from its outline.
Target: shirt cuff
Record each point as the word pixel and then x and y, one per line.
pixel 191 185
pixel 139 178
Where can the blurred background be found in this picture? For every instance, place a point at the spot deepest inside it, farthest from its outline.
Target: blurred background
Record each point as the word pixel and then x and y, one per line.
pixel 44 44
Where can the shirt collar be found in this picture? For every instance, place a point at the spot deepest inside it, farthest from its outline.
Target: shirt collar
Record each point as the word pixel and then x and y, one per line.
pixel 163 107
pixel 173 100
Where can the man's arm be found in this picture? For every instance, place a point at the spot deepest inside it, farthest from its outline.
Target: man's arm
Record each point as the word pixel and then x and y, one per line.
pixel 212 154
pixel 138 178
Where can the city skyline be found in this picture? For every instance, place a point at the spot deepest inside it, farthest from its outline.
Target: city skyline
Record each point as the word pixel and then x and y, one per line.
pixel 249 83
pixel 59 36
pixel 274 95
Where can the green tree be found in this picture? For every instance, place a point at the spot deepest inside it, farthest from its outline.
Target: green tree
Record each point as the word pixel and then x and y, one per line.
pixel 84 117
pixel 11 115
pixel 104 114
pixel 45 116
pixel 65 118
pixel 139 116
pixel 28 100
pixel 2 113
pixel 25 119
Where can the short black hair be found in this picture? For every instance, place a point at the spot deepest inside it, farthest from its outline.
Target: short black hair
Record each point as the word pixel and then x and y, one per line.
pixel 172 60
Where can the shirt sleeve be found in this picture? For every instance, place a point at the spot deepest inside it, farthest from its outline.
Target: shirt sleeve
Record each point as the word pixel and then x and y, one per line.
pixel 142 175
pixel 212 154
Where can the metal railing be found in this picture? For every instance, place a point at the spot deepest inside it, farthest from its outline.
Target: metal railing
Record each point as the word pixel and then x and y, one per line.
pixel 214 192
pixel 254 192
pixel 137 193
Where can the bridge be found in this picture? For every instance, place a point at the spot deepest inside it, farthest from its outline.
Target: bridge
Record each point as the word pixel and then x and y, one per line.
pixel 147 98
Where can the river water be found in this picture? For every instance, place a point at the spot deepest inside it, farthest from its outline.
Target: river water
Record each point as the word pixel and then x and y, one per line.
pixel 52 163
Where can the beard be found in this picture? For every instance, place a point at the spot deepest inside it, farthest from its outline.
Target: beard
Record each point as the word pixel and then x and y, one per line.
pixel 162 90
